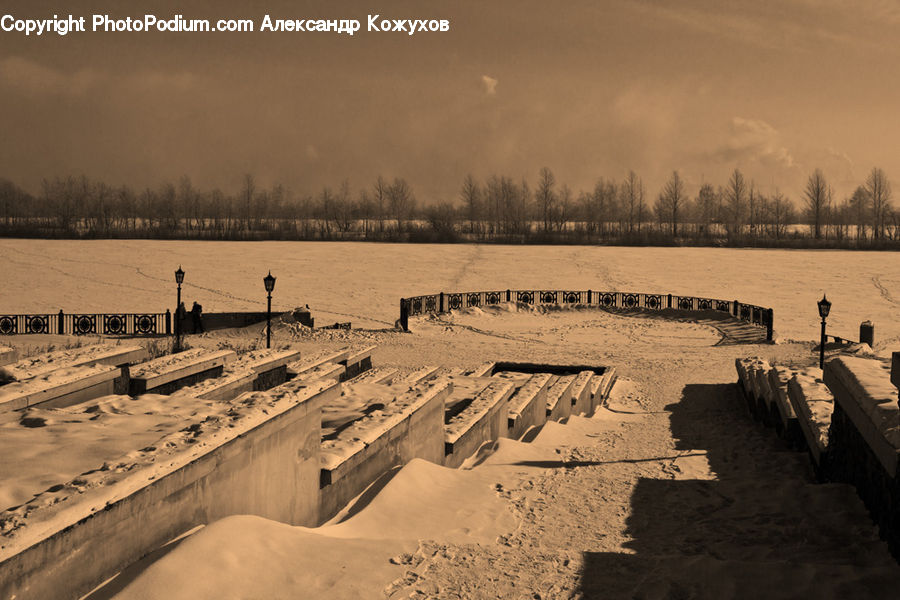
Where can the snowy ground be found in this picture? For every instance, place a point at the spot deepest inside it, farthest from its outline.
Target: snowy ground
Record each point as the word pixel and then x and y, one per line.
pixel 673 491
pixel 364 282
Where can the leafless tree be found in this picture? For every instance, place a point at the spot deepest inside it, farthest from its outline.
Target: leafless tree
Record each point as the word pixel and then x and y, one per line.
pixel 736 197
pixel 817 196
pixel 632 193
pixel 706 208
pixel 879 190
pixel 859 205
pixel 471 198
pixel 546 197
pixel 401 201
pixel 673 199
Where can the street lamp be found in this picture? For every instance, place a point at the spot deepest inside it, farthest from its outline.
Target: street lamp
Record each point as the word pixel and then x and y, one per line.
pixel 824 308
pixel 179 279
pixel 269 282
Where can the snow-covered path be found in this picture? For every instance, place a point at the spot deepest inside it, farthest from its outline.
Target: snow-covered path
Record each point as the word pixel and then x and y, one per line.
pixel 671 492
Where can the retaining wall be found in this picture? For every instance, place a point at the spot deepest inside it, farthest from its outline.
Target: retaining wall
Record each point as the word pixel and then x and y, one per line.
pixel 270 469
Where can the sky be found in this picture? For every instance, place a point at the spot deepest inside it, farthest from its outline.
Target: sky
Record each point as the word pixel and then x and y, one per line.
pixel 588 88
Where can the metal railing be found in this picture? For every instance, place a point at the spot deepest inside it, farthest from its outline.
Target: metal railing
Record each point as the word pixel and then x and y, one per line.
pixel 124 324
pixel 445 302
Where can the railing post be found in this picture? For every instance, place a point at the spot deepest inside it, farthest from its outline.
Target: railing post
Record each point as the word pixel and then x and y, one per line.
pixel 867 333
pixel 736 307
pixel 404 315
pixel 441 303
pixel 60 324
pixel 507 295
pixel 168 322
pixel 770 321
pixel 670 301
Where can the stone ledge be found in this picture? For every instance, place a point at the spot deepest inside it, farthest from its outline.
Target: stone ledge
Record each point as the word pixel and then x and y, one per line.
pixel 56 385
pixel 813 404
pixel 863 389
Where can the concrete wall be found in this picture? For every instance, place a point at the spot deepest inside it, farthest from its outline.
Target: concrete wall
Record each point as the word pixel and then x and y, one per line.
pixel 491 425
pixel 224 320
pixel 864 448
pixel 419 435
pixel 270 470
pixel 532 407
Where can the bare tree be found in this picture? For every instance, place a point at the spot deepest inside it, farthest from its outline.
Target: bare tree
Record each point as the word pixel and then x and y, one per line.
pixel 736 197
pixel 379 200
pixel 674 198
pixel 471 197
pixel 632 193
pixel 817 195
pixel 401 201
pixel 781 214
pixel 546 197
pixel 879 190
pixel 859 205
pixel 706 207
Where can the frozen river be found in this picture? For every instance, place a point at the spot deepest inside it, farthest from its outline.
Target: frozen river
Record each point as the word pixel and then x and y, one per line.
pixel 363 283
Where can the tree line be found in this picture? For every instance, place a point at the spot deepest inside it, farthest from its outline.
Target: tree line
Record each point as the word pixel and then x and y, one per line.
pixel 496 209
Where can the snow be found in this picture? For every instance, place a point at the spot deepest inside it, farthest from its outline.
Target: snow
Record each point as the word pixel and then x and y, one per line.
pixel 869 383
pixel 669 490
pixel 364 282
pixel 813 402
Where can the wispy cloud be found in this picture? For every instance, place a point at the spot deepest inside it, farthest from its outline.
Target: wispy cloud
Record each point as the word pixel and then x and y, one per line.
pixel 489 85
pixel 789 24
pixel 754 140
pixel 35 79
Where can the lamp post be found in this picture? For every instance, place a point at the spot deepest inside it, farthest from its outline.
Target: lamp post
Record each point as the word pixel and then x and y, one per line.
pixel 179 279
pixel 824 307
pixel 269 282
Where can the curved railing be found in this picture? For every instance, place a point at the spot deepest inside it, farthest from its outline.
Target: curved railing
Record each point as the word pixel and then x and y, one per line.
pixel 446 302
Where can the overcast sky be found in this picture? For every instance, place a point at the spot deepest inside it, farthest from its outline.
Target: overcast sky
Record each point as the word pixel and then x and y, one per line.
pixel 588 88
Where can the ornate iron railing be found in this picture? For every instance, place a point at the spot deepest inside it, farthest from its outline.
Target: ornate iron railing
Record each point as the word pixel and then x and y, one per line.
pixel 125 324
pixel 445 302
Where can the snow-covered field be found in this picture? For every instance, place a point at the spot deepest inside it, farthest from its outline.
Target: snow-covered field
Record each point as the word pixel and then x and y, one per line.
pixel 363 282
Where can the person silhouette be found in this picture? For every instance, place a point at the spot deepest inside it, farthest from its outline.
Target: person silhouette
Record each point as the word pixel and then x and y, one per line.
pixel 197 317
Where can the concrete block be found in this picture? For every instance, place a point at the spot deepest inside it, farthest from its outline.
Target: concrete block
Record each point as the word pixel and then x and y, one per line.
pixel 601 387
pixel 174 371
pixel 358 361
pixel 383 375
pixel 420 375
pixel 559 397
pixel 410 426
pixel 483 370
pixel 895 369
pixel 581 393
pixel 864 390
pixel 483 420
pixel 313 362
pixel 8 355
pixel 85 356
pixel 528 406
pixel 59 388
pixel 813 404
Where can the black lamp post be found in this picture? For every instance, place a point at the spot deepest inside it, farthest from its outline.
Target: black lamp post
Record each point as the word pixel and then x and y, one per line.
pixel 179 279
pixel 269 282
pixel 824 307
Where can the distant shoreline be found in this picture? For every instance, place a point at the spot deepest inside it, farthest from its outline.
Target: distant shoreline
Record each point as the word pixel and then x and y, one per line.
pixel 420 235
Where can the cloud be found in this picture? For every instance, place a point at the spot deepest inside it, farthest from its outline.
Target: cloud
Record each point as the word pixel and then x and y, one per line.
pixel 754 140
pixel 489 84
pixel 33 78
